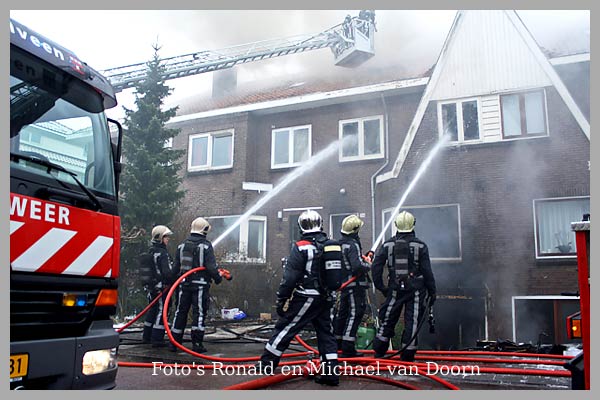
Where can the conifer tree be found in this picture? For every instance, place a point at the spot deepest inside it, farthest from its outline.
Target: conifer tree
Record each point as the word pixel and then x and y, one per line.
pixel 150 191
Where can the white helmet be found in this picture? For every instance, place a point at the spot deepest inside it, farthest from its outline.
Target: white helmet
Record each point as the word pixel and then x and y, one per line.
pixel 351 224
pixel 159 232
pixel 405 222
pixel 310 221
pixel 200 225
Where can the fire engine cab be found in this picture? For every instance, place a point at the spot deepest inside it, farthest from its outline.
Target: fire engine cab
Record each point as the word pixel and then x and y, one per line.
pixel 64 225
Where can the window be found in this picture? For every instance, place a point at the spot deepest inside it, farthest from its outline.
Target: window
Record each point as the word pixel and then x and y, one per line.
pixel 246 243
pixel 362 138
pixel 553 217
pixel 523 114
pixel 459 120
pixel 210 151
pixel 290 146
pixel 438 226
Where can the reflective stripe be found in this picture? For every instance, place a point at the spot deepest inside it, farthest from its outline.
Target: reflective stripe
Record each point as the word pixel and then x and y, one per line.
pixel 310 250
pixel 273 350
pixel 308 292
pixel 43 249
pixel 90 256
pixel 349 338
pixel 158 320
pixel 387 313
pixel 331 356
pixel 294 322
pixel 352 312
pixel 332 247
pixel 415 321
pixel 200 323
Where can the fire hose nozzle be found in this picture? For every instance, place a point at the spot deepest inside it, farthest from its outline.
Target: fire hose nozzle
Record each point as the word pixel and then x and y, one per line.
pixel 431 322
pixel 225 274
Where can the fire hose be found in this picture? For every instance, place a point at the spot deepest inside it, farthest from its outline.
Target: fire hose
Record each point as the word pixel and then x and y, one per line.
pixel 272 380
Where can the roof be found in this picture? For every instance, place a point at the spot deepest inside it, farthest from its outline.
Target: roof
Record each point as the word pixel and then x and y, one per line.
pixel 561 41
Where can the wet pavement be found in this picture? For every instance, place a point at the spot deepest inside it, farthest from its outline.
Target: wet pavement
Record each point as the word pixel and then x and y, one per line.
pixel 166 370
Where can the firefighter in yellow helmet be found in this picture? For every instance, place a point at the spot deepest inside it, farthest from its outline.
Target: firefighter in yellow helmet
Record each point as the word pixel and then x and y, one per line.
pixel 353 297
pixel 157 274
pixel 194 252
pixel 410 285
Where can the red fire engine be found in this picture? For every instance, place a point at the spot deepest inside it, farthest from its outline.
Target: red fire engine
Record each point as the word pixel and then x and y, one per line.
pixel 64 225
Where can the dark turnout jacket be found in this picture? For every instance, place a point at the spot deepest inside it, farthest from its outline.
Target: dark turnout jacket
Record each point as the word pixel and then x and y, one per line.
pixel 424 276
pixel 203 255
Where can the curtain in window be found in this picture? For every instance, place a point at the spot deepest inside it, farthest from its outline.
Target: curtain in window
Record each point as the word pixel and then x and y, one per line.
pixel 554 224
pixel 256 238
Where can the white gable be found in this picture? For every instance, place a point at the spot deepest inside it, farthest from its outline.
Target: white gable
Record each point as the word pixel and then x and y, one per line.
pixel 487 55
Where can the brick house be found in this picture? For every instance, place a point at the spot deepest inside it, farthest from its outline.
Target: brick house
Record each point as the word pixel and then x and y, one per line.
pixel 494 205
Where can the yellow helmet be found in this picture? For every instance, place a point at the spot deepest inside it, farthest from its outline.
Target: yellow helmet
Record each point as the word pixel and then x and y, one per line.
pixel 405 222
pixel 351 224
pixel 159 232
pixel 200 225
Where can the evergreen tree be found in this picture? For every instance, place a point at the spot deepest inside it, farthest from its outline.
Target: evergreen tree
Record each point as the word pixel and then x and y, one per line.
pixel 150 185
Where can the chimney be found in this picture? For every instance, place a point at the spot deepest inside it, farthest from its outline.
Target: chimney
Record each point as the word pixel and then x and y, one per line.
pixel 224 82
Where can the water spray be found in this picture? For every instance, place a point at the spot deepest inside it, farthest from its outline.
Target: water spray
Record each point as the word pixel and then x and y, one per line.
pixel 410 187
pixel 289 178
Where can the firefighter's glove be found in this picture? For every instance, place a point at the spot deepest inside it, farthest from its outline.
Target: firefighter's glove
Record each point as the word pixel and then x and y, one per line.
pixel 280 307
pixel 225 274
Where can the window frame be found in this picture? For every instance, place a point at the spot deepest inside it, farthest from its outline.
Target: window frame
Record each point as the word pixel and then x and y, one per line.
pixel 242 250
pixel 361 139
pixel 459 120
pixel 536 238
pixel 209 158
pixel 291 133
pixel 432 259
pixel 521 95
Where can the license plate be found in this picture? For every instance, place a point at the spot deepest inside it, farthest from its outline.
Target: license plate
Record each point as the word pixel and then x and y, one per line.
pixel 19 363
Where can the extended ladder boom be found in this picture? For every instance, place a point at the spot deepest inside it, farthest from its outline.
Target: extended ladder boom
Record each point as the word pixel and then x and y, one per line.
pixel 336 38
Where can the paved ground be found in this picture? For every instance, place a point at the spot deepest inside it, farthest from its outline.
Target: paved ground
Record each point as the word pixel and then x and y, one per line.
pixel 247 340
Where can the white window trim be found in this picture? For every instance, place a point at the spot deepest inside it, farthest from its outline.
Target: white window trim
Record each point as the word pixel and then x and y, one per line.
pixel 535 224
pixel 210 135
pixel 243 239
pixel 523 137
pixel 291 133
pixel 459 120
pixel 437 259
pixel 361 139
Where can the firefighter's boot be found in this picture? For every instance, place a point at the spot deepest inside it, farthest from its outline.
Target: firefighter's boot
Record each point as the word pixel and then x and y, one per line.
pixel 178 337
pixel 408 355
pixel 197 338
pixel 380 346
pixel 330 374
pixel 348 350
pixel 147 334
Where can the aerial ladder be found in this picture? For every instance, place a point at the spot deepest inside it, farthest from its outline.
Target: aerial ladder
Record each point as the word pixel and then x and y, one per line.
pixel 352 43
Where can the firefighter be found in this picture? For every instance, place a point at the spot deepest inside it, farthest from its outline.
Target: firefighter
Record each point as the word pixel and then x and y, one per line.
pixel 194 252
pixel 312 272
pixel 160 276
pixel 410 283
pixel 353 297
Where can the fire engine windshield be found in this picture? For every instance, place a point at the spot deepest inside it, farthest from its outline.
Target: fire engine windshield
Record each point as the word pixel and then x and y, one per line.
pixel 55 127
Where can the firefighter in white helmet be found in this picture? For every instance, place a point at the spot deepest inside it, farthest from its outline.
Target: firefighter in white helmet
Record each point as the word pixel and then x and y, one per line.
pixel 410 285
pixel 156 276
pixel 196 251
pixel 353 297
pixel 312 272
